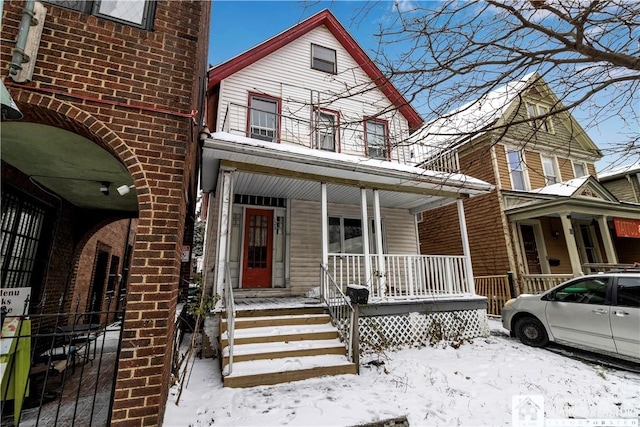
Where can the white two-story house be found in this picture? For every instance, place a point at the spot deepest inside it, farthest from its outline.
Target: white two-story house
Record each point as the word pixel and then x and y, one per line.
pixel 308 179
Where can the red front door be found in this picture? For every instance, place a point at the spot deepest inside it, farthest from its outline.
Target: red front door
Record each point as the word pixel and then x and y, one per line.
pixel 258 241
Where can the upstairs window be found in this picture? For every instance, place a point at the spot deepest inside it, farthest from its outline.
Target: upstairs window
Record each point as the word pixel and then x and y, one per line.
pixel 376 139
pixel 326 131
pixel 263 118
pixel 516 170
pixel 536 110
pixel 549 170
pixel 138 13
pixel 323 59
pixel 579 169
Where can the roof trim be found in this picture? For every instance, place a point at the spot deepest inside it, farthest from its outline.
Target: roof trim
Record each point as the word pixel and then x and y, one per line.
pixel 326 18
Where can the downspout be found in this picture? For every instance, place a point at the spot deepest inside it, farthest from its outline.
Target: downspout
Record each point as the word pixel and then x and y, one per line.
pixel 19 55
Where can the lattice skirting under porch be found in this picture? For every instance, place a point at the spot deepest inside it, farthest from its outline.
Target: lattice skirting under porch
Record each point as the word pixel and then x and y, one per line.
pixel 421 328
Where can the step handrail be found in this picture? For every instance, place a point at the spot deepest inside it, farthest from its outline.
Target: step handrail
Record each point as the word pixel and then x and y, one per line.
pixel 343 314
pixel 230 308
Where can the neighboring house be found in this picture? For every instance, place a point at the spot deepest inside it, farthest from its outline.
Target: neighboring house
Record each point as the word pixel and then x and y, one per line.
pixel 548 219
pixel 99 183
pixel 308 183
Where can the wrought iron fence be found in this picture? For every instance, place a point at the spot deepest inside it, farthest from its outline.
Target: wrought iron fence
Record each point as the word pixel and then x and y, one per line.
pixel 60 368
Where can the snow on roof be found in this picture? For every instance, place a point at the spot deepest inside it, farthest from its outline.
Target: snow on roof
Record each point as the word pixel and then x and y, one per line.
pixel 566 188
pixel 356 161
pixel 622 170
pixel 468 120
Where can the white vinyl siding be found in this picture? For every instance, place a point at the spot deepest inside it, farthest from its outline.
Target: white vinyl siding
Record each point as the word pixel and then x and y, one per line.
pixel 285 74
pixel 306 235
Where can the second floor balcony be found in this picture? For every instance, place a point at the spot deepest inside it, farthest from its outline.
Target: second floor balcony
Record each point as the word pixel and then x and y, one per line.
pixel 319 129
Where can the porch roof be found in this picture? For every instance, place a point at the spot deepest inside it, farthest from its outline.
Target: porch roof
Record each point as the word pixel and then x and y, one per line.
pixel 280 170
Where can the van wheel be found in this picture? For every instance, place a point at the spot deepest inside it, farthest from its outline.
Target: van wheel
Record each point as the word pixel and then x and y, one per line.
pixel 531 332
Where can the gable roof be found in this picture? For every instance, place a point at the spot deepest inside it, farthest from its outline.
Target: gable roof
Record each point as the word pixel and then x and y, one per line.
pixel 585 186
pixel 477 117
pixel 619 172
pixel 326 18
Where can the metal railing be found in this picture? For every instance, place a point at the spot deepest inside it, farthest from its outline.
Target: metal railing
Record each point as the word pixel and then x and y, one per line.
pixel 536 283
pixel 297 129
pixel 402 276
pixel 230 310
pixel 343 313
pixel 61 367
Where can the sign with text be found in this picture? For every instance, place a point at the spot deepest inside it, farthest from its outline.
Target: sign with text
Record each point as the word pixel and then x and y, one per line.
pixel 627 227
pixel 13 300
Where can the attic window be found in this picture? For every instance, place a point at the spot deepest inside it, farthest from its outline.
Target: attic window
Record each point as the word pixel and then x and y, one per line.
pixel 536 110
pixel 323 59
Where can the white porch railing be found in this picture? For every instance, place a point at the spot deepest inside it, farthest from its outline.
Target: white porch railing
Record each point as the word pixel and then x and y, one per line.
pixel 402 276
pixel 230 308
pixel 536 283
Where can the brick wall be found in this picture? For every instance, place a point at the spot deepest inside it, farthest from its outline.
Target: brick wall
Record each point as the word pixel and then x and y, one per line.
pixel 131 92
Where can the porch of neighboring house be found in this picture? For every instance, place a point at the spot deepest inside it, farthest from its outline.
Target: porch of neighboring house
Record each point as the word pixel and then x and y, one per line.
pixel 559 239
pixel 288 221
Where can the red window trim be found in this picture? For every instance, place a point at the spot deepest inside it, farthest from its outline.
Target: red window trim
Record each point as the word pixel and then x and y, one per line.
pixel 386 134
pixel 278 102
pixel 335 113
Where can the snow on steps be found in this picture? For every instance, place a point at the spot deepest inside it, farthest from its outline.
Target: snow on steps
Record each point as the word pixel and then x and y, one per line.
pixel 276 346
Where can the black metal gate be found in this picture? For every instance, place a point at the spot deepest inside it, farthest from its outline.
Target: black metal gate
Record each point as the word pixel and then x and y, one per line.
pixel 59 369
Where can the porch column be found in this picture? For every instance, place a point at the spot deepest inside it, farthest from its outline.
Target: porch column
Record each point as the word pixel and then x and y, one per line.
pixel 382 270
pixel 606 239
pixel 570 239
pixel 365 236
pixel 324 222
pixel 224 216
pixel 466 251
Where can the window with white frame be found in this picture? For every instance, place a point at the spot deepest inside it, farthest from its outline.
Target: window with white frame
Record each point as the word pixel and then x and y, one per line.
pixel 549 170
pixel 263 118
pixel 516 170
pixel 326 131
pixel 376 139
pixel 323 59
pixel 544 123
pixel 345 235
pixel 579 169
pixel 133 12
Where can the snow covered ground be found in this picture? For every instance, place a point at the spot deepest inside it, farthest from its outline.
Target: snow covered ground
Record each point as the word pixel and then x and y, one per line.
pixel 432 386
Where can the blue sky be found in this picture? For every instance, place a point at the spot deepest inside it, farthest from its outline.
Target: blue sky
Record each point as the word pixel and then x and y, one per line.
pixel 239 25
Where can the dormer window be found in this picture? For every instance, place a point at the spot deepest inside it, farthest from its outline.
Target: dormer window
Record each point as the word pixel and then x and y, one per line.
pixel 323 59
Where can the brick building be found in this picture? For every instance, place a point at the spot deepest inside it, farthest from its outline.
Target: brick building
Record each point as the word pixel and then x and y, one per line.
pixel 101 171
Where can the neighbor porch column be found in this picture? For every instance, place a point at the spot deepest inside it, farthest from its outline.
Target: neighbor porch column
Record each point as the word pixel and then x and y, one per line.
pixel 466 251
pixel 607 241
pixel 224 219
pixel 365 236
pixel 572 247
pixel 382 276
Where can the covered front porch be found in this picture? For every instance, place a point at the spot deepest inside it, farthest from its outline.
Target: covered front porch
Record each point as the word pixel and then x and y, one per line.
pixel 567 230
pixel 291 210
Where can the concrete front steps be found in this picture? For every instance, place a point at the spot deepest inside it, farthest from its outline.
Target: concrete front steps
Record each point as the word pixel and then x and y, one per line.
pixel 273 346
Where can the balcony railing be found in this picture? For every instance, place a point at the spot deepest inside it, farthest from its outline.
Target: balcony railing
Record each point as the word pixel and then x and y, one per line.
pixel 402 276
pixel 445 161
pixel 294 128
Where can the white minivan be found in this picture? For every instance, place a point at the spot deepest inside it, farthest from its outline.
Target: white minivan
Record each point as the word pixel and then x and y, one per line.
pixel 599 312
